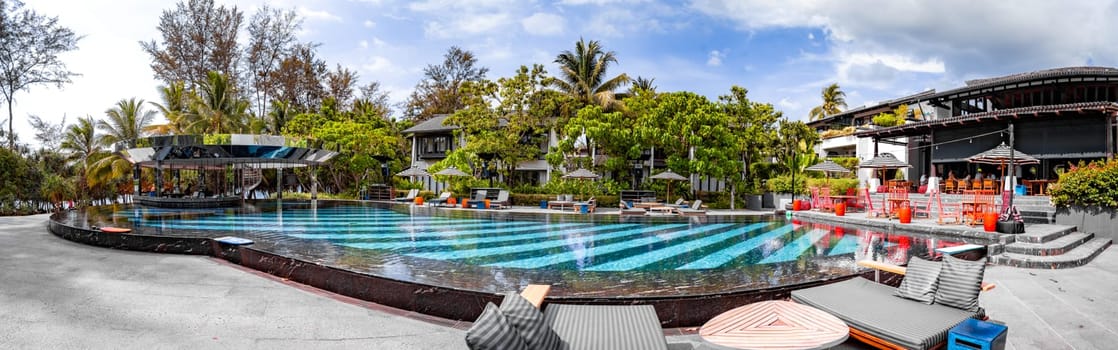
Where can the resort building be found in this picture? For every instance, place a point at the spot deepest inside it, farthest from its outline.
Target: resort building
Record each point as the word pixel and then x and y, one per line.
pixel 1060 116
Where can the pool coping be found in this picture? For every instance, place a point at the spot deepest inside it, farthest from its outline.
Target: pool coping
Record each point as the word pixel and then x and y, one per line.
pixel 445 302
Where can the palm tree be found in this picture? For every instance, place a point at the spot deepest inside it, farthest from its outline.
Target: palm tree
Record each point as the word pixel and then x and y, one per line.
pixel 642 83
pixel 174 108
pixel 126 122
pixel 583 74
pixel 833 102
pixel 217 109
pixel 81 144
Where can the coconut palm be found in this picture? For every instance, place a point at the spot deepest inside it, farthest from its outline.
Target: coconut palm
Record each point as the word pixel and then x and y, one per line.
pixel 217 109
pixel 174 108
pixel 81 143
pixel 583 74
pixel 126 122
pixel 642 83
pixel 834 100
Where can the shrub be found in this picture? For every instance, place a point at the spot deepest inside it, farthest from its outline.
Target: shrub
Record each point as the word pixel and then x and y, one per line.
pixel 838 186
pixel 1094 184
pixel 783 184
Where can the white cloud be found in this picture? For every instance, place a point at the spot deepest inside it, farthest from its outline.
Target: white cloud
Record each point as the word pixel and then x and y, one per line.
pixel 786 103
pixel 543 24
pixel 715 57
pixel 379 65
pixel 317 15
pixel 599 2
pixel 810 36
pixel 369 23
pixel 467 26
pixel 364 44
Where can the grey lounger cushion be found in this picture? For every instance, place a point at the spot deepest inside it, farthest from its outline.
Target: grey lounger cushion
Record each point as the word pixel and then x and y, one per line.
pixel 960 281
pixel 871 307
pixel 606 327
pixel 492 331
pixel 920 280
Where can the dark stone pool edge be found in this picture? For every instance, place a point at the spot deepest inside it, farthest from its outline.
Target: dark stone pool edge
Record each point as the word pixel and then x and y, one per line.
pixel 449 303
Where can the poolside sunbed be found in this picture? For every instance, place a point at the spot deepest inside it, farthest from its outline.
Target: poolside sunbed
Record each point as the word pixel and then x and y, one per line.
pixel 502 200
pixel 880 319
pixel 410 197
pixel 628 210
pixel 443 197
pixel 578 327
pixel 696 209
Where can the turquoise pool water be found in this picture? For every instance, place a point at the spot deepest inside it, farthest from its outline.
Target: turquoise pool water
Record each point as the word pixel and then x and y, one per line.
pixel 497 250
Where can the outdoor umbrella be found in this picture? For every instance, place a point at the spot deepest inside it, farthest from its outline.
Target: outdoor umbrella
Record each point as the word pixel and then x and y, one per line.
pixel 884 162
pixel 1001 156
pixel 452 171
pixel 828 167
pixel 412 172
pixel 581 173
pixel 670 176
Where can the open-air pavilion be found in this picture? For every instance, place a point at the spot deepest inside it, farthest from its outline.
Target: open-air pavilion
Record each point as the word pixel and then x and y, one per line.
pixel 226 167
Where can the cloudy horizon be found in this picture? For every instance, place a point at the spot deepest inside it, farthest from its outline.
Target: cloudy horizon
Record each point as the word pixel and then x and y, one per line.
pixel 784 52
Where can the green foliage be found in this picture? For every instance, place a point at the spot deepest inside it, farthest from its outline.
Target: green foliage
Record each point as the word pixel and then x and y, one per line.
pixel 887 120
pixel 783 184
pixel 1087 185
pixel 850 163
pixel 847 131
pixel 307 195
pixel 217 139
pixel 838 186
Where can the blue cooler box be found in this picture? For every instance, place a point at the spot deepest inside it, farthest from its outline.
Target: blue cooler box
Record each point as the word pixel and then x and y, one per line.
pixel 973 334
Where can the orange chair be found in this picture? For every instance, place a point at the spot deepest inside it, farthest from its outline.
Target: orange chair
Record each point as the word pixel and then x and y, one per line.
pixel 825 202
pixel 871 212
pixel 950 211
pixel 898 197
pixel 949 186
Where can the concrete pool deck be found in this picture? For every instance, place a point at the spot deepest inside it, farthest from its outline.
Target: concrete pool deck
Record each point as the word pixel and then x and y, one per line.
pixel 60 294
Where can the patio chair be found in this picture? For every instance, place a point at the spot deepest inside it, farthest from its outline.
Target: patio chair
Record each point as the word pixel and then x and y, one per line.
pixel 680 203
pixel 871 212
pixel 696 209
pixel 825 202
pixel 410 197
pixel 479 196
pixel 855 202
pixel 925 210
pixel 980 201
pixel 880 318
pixel 443 197
pixel 988 184
pixel 626 209
pixel 949 186
pixel 576 327
pixel 898 198
pixel 502 200
pixel 951 210
pixel 816 202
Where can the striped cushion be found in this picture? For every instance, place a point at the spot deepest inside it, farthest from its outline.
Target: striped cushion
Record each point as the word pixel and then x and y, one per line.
pixel 607 327
pixel 920 281
pixel 492 332
pixel 959 283
pixel 529 323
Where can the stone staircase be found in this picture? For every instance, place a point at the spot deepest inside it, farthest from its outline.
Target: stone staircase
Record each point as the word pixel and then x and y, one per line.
pixel 1050 246
pixel 1044 245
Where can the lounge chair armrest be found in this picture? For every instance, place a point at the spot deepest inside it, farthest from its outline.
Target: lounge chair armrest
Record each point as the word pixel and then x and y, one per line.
pixel 535 293
pixel 900 270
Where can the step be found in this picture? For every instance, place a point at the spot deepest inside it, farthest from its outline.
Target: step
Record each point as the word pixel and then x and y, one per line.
pixel 1040 233
pixel 1079 256
pixel 1054 247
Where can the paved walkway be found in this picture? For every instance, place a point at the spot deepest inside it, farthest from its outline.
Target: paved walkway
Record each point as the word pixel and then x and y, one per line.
pixel 59 294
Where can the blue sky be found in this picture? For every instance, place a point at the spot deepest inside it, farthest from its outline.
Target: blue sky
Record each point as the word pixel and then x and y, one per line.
pixel 784 52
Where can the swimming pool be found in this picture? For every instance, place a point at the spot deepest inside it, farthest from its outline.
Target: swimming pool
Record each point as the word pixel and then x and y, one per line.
pixel 495 251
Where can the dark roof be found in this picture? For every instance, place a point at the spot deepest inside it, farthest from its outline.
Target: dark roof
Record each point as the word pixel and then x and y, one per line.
pixel 917 127
pixel 896 101
pixel 433 125
pixel 1111 74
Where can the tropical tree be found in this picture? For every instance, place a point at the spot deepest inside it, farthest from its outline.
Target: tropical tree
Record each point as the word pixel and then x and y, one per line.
pixel 29 47
pixel 583 75
pixel 81 144
pixel 197 37
pixel 217 108
pixel 438 92
pixel 754 127
pixel 175 108
pixel 127 122
pixel 642 84
pixel 834 100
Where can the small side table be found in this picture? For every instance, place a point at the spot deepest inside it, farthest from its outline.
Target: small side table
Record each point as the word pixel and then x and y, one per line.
pixel 976 335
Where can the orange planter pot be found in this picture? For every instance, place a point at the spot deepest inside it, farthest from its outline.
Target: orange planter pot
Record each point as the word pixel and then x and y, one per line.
pixel 840 209
pixel 797 205
pixel 418 200
pixel 486 204
pixel 451 201
pixel 990 221
pixel 465 203
pixel 905 215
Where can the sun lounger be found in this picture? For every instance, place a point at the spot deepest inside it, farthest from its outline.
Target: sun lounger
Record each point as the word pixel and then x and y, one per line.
pixel 410 197
pixel 502 200
pixel 443 197
pixel 579 327
pixel 882 320
pixel 628 210
pixel 696 209
pixel 562 201
pixel 591 204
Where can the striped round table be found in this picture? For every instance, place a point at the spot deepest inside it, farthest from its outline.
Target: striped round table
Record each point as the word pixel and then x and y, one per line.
pixel 775 325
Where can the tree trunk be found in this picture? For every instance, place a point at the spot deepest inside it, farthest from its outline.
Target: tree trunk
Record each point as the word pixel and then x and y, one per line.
pixel 11 132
